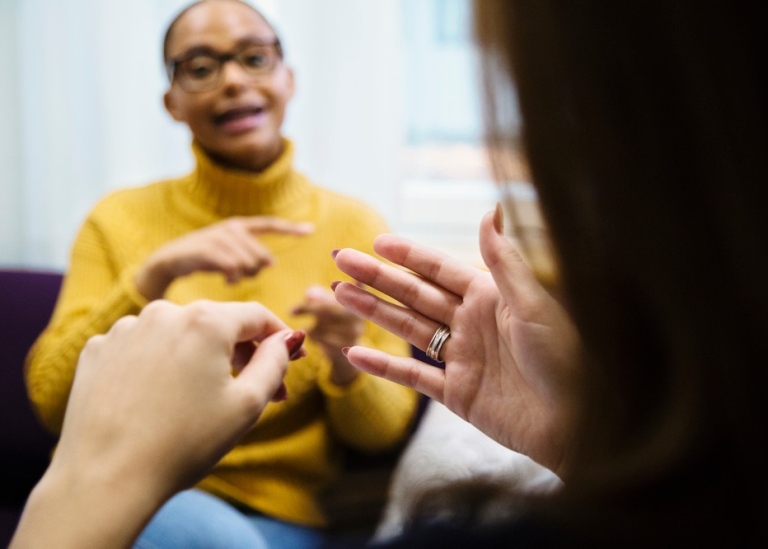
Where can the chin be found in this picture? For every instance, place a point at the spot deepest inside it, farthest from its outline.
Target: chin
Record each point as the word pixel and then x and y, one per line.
pixel 251 154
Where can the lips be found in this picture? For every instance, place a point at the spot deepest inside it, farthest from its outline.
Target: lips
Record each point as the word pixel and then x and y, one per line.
pixel 241 119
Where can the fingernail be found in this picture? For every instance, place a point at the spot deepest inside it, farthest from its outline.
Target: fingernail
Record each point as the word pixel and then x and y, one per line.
pixel 498 219
pixel 345 351
pixel 334 284
pixel 334 253
pixel 293 343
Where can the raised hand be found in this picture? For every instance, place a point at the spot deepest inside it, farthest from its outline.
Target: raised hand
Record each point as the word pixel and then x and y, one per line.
pixel 334 329
pixel 512 351
pixel 230 247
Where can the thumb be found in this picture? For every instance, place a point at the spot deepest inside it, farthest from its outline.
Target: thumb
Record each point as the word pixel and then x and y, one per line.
pixel 511 273
pixel 261 378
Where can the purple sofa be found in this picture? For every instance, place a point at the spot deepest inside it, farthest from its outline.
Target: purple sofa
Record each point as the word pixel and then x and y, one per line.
pixel 27 298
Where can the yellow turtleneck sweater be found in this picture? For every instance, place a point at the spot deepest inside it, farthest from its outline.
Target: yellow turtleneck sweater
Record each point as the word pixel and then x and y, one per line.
pixel 294 450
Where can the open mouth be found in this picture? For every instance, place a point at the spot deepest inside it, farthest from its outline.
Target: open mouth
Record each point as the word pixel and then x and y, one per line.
pixel 241 119
pixel 237 114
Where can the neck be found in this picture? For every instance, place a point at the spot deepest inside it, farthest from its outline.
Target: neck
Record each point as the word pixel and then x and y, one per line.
pixel 234 190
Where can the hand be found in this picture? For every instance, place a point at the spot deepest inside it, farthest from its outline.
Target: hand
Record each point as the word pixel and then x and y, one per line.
pixel 229 247
pixel 334 329
pixel 512 352
pixel 163 381
pixel 153 407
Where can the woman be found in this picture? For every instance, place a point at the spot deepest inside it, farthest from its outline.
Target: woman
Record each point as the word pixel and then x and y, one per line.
pixel 243 226
pixel 645 127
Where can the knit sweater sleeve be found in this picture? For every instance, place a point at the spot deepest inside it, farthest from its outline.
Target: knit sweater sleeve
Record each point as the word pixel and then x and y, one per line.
pixel 370 414
pixel 94 295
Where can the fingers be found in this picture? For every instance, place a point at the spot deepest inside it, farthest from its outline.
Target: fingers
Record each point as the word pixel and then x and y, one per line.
pixel 433 265
pixel 227 323
pixel 229 247
pixel 234 327
pixel 244 256
pixel 404 322
pixel 511 274
pixel 406 371
pixel 249 321
pixel 261 380
pixel 407 288
pixel 318 301
pixel 263 225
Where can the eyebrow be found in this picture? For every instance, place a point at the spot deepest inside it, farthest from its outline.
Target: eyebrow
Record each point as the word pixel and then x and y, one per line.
pixel 207 50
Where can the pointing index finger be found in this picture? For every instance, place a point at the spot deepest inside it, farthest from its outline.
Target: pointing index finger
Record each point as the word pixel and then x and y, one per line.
pixel 264 224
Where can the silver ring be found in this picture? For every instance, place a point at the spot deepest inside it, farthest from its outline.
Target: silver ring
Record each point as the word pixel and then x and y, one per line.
pixel 441 336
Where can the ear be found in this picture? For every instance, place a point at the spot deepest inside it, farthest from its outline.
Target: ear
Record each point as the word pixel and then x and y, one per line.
pixel 171 105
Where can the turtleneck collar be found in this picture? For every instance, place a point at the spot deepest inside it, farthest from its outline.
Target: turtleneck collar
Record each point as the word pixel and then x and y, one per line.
pixel 230 192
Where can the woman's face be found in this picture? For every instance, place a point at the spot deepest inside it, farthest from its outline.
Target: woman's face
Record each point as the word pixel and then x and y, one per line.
pixel 238 122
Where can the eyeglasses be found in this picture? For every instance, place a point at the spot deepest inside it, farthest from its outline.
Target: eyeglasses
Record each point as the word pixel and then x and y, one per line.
pixel 200 70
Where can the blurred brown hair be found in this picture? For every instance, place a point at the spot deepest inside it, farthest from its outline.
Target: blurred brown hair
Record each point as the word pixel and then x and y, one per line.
pixel 646 131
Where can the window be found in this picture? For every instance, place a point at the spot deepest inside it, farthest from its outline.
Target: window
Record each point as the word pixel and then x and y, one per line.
pixel 446 186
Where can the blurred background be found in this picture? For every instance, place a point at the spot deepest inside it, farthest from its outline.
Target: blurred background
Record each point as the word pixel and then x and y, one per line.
pixel 386 110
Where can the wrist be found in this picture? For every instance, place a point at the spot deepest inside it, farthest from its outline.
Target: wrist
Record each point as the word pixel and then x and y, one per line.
pixel 152 279
pixel 342 372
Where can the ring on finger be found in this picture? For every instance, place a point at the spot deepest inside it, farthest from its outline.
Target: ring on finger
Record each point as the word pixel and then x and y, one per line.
pixel 436 343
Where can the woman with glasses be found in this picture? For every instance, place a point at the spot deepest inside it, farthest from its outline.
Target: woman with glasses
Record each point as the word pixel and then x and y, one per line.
pixel 243 226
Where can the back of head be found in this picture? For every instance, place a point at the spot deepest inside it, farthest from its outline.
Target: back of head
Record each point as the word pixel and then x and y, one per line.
pixel 646 127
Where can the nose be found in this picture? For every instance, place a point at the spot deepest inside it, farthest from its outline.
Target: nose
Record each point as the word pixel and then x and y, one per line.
pixel 233 77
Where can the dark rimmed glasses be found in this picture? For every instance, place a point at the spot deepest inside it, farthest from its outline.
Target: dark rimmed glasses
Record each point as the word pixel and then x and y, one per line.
pixel 200 69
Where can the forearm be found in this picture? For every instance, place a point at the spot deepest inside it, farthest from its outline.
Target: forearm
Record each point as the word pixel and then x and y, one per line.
pixel 84 511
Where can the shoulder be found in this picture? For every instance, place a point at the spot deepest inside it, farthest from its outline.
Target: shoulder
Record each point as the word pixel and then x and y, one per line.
pixel 145 199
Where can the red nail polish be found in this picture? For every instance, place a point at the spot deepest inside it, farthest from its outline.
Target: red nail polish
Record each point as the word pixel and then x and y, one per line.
pixel 293 343
pixel 334 253
pixel 334 284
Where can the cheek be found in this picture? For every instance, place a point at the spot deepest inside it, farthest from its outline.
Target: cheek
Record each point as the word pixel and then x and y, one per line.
pixel 199 127
pixel 197 114
pixel 282 92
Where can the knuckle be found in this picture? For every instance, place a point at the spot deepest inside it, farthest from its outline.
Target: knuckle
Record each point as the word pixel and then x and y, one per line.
pixel 408 326
pixel 199 314
pixel 233 224
pixel 124 323
pixel 92 344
